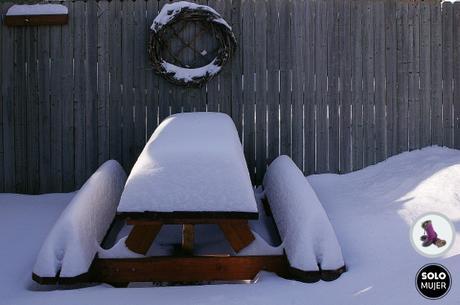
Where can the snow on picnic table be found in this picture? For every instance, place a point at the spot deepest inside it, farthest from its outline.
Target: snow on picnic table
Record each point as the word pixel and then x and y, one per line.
pixel 371 211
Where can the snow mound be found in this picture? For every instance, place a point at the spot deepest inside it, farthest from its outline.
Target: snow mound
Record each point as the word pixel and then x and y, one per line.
pixel 192 163
pixel 37 9
pixel 308 237
pixel 74 240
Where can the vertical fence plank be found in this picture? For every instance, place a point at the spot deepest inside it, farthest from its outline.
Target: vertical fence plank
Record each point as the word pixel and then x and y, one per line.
pixel 151 80
pixel 236 64
pixel 309 87
pixel 90 106
pixel 447 63
pixel 402 73
pixel 127 84
pixel 321 86
pixel 379 75
pixel 261 88
pixel 19 106
pixel 390 74
pixel 33 169
pixel 368 85
pixel 248 90
pixel 357 75
pixel 102 80
pixel 413 107
pixel 79 91
pixel 425 75
pixel 436 75
pixel 285 77
pixel 345 86
pixel 297 38
pixel 456 72
pixel 225 77
pixel 67 96
pixel 273 60
pixel 56 108
pixel 139 65
pixel 44 109
pixel 332 88
pixel 2 106
pixel 115 60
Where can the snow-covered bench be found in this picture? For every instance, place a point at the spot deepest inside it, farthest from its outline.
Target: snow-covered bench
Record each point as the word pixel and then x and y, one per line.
pixel 73 242
pixel 308 237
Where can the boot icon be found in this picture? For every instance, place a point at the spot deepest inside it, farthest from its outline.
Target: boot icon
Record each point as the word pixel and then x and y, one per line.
pixel 431 237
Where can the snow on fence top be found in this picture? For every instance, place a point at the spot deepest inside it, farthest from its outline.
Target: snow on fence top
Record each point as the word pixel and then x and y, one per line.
pixel 193 162
pixel 74 240
pixel 37 9
pixel 307 234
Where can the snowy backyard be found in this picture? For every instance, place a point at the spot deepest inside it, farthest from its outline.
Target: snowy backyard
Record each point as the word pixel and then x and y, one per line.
pixel 371 211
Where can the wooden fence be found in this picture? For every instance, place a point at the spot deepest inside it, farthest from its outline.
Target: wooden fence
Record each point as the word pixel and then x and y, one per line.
pixel 335 84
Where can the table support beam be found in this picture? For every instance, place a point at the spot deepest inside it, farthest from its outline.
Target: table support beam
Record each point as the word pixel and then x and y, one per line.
pixel 238 233
pixel 141 237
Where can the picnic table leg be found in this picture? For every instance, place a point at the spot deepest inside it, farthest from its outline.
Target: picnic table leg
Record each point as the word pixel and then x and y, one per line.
pixel 188 236
pixel 238 233
pixel 142 236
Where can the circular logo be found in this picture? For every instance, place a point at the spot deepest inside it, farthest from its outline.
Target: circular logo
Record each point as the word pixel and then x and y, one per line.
pixel 433 281
pixel 432 235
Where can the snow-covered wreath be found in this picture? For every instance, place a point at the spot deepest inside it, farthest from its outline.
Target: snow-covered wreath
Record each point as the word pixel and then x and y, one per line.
pixel 184 11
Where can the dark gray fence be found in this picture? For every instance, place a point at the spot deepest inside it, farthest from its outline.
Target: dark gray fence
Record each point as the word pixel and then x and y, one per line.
pixel 335 84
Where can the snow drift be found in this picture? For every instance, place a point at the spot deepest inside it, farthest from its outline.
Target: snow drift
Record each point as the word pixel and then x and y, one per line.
pixel 74 240
pixel 308 237
pixel 192 162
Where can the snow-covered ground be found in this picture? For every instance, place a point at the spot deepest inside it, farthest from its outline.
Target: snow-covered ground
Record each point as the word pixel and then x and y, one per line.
pixel 371 211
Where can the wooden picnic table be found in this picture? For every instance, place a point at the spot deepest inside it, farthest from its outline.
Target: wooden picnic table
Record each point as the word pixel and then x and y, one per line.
pixel 192 171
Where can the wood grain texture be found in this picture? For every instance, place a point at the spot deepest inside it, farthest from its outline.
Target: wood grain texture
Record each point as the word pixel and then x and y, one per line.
pixel 141 237
pixel 336 85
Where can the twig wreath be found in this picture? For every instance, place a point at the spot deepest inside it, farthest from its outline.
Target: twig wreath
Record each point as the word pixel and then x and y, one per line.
pixel 178 73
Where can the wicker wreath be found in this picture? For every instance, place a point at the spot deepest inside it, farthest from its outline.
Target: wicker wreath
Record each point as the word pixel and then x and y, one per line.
pixel 183 11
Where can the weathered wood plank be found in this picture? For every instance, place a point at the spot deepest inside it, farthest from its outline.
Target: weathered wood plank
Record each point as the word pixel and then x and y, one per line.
pixel 309 88
pixel 249 85
pixel 321 37
pixel 332 96
pixel 151 80
pixel 390 74
pixel 357 76
pixel 402 32
pixel 447 72
pixel 273 98
pixel 90 102
pixel 67 95
pixel 19 110
pixel 103 78
pixel 285 78
pixel 225 77
pixel 411 66
pixel 56 108
pixel 425 75
pixel 79 91
pixel 368 85
pixel 260 54
pixel 436 75
pixel 127 64
pixel 345 86
pixel 2 105
pixel 33 168
pixel 456 73
pixel 140 61
pixel 379 76
pixel 238 234
pixel 115 61
pixel 237 68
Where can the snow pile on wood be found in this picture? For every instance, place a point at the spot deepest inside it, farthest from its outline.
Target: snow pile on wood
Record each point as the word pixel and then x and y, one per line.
pixel 307 234
pixel 74 240
pixel 170 10
pixel 192 162
pixel 37 9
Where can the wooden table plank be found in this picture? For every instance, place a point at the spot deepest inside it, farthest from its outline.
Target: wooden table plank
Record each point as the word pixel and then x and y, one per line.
pixel 142 236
